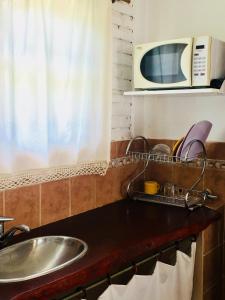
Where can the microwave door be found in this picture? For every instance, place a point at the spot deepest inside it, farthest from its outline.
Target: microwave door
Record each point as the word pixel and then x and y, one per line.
pixel 162 66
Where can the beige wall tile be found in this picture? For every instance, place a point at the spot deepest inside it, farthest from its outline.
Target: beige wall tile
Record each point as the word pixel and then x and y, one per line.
pixel 186 176
pixel 127 173
pixel 23 205
pixel 121 148
pixel 136 146
pixel 214 180
pixel 113 150
pixel 1 204
pixel 212 271
pixel 215 150
pixel 54 201
pixel 160 172
pixel 83 193
pixel 212 236
pixel 108 187
pixel 215 293
pixel 75 195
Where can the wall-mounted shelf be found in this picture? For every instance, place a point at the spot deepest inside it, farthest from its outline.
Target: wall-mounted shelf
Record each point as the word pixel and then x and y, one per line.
pixel 196 91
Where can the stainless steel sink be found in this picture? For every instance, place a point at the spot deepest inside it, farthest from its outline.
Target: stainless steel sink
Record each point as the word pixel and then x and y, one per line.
pixel 39 256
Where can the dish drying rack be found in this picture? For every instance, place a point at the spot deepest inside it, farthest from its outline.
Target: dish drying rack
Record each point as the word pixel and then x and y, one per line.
pixel 183 197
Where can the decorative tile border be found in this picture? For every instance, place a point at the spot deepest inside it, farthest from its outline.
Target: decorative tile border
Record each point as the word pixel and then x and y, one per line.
pixel 123 161
pixel 126 160
pixel 216 164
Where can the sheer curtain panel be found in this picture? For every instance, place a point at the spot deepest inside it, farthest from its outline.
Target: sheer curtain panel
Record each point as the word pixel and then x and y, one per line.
pixel 55 89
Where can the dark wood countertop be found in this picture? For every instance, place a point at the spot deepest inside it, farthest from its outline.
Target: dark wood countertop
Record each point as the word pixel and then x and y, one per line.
pixel 116 234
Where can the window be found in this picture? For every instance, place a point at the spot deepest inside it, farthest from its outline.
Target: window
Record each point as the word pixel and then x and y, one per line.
pixel 55 89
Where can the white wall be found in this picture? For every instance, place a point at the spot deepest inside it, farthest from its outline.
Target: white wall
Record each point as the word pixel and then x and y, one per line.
pixel 179 18
pixel 128 22
pixel 122 33
pixel 170 117
pixel 141 16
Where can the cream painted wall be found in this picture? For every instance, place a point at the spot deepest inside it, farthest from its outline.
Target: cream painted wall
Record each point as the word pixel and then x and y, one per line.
pixel 179 18
pixel 171 117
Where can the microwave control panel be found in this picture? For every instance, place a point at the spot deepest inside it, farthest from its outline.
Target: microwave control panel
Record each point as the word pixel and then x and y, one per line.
pixel 200 61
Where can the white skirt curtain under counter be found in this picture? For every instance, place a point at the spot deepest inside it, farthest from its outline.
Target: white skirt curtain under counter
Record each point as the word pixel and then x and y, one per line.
pixel 166 283
pixel 55 89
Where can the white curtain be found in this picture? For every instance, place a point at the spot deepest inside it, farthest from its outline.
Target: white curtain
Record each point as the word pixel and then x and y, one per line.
pixel 166 283
pixel 55 85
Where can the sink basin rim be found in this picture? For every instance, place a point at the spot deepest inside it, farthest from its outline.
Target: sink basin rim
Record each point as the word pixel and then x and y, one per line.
pixel 60 266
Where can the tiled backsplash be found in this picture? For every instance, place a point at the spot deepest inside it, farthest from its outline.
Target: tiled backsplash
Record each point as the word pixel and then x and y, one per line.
pixel 44 203
pixel 48 202
pixel 184 175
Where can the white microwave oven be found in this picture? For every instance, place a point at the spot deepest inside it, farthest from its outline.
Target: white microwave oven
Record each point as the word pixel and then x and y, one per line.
pixel 180 63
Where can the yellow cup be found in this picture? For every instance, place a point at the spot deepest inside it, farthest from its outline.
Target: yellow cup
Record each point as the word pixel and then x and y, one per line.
pixel 151 187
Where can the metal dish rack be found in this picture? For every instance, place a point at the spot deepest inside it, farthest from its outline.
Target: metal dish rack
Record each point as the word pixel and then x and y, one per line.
pixel 183 197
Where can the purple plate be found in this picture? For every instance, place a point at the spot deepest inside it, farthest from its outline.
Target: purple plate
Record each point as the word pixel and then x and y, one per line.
pixel 182 143
pixel 199 131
